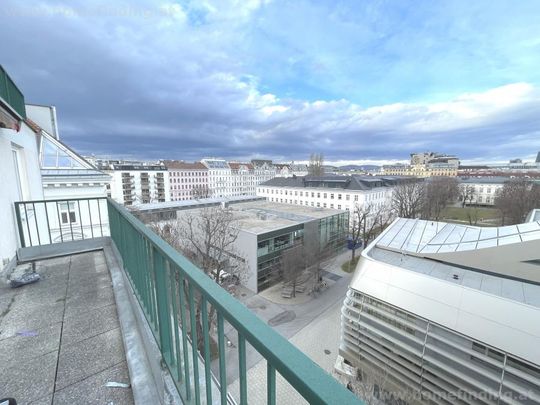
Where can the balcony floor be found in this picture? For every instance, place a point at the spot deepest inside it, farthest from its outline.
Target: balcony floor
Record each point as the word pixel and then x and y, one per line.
pixel 60 338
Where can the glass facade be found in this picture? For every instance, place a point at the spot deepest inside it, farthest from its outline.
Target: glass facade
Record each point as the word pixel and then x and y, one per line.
pixel 329 232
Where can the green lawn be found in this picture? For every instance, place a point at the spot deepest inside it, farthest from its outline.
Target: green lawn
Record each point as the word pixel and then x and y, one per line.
pixel 461 213
pixel 349 266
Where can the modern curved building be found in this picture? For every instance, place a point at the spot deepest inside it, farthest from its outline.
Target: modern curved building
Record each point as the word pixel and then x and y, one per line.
pixel 446 313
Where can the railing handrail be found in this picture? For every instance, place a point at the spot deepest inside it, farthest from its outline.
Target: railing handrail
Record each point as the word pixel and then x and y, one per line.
pixel 17 103
pixel 313 383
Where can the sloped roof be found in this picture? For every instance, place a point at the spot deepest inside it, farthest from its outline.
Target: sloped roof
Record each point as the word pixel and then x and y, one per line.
pixel 181 165
pixel 354 182
pixel 237 165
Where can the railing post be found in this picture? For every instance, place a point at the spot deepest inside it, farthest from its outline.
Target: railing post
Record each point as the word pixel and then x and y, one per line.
pixel 19 223
pixel 163 318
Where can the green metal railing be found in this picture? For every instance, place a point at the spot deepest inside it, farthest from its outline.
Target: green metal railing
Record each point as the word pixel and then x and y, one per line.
pixel 11 93
pixel 183 306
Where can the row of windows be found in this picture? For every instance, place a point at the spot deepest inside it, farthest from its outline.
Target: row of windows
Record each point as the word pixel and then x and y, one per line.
pixel 188 174
pixel 369 197
pixel 189 180
pixel 306 203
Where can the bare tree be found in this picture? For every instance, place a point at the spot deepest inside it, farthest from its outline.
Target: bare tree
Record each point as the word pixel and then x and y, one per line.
pixel 367 221
pixel 316 164
pixel 467 194
pixel 316 252
pixel 207 237
pixel 516 198
pixel 408 199
pixel 293 264
pixel 370 386
pixel 439 192
pixel 202 191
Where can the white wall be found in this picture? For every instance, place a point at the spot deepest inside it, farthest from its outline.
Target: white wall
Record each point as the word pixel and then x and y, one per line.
pixel 25 141
pixel 322 197
pixel 45 117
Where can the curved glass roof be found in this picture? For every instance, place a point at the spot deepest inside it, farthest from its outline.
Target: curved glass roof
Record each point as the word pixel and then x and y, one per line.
pixel 421 236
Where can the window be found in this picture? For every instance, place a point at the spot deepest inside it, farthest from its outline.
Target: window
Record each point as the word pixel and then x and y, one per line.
pixel 324 205
pixel 318 205
pixel 324 195
pixel 331 196
pixel 332 206
pixel 67 212
pixel 355 198
pixel 312 194
pixel 339 196
pixel 347 197
pixel 318 195
pixel 339 207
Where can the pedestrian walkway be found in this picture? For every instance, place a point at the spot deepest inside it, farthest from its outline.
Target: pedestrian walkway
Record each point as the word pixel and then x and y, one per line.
pixel 60 338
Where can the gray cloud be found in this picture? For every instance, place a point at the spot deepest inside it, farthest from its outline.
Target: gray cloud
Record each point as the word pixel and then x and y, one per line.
pixel 164 82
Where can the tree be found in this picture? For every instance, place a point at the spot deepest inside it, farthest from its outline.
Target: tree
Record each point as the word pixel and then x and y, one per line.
pixel 293 264
pixel 316 165
pixel 467 194
pixel 201 191
pixel 408 199
pixel 207 237
pixel 371 386
pixel 367 221
pixel 439 192
pixel 316 252
pixel 516 198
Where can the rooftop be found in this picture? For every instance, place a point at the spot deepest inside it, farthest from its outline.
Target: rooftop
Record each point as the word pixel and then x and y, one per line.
pixel 60 338
pixel 263 216
pixel 352 182
pixel 176 164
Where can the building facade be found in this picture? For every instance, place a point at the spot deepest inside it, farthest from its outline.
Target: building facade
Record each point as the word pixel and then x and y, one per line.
pixel 444 313
pixel 333 192
pixel 138 183
pixel 427 164
pixel 188 180
pixel 19 165
pixel 265 231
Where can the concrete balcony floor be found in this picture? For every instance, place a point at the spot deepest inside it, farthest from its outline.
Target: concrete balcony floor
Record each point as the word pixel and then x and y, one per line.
pixel 60 338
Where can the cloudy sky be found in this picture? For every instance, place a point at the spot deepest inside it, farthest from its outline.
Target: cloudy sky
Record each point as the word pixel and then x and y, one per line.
pixel 361 81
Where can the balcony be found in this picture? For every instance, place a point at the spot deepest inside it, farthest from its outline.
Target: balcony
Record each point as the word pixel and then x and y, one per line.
pixel 11 94
pixel 158 295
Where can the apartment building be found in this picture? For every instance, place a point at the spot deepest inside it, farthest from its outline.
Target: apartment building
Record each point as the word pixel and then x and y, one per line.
pixel 426 164
pixel 19 164
pixel 444 313
pixel 188 180
pixel 219 177
pixel 243 180
pixel 331 191
pixel 136 183
pixel 480 190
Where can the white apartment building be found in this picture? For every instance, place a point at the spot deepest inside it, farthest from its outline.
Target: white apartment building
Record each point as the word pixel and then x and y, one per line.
pixel 219 177
pixel 65 174
pixel 334 192
pixel 19 165
pixel 188 180
pixel 138 183
pixel 447 313
pixel 263 170
pixel 480 190
pixel 243 179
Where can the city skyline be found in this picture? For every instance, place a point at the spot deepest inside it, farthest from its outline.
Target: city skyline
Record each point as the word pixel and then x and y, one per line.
pixel 365 85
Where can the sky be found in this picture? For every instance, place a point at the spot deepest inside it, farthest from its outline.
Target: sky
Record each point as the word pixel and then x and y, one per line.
pixel 360 81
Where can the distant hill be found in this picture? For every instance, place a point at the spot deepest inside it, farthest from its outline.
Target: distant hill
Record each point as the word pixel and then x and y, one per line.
pixel 359 167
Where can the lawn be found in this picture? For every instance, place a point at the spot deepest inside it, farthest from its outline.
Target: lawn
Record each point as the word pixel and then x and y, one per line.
pixel 349 266
pixel 461 214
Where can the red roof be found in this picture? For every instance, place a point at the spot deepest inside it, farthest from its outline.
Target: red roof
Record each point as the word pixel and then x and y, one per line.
pixel 180 165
